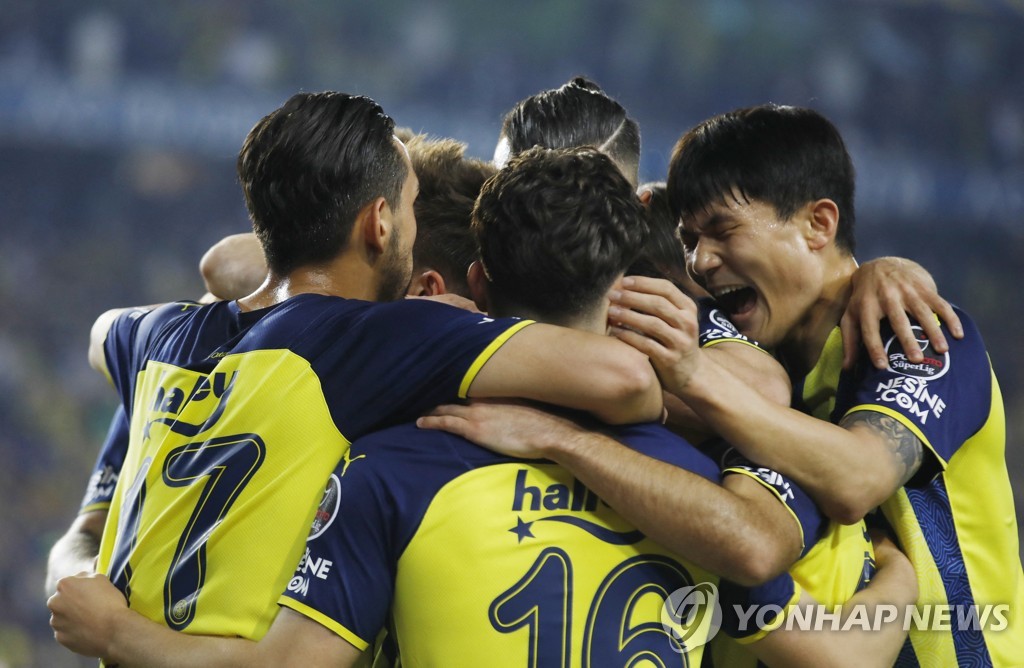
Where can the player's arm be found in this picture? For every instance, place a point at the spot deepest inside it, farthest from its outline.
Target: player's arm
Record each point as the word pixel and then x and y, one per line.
pixel 76 550
pixel 739 532
pixel 234 266
pixel 891 288
pixel 848 469
pixel 752 366
pixel 97 337
pixel 574 369
pixel 883 603
pixel 89 616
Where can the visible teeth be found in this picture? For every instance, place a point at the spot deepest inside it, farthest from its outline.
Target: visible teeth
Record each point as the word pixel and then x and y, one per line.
pixel 721 292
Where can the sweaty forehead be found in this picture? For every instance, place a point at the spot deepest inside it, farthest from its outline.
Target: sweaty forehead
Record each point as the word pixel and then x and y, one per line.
pixel 702 218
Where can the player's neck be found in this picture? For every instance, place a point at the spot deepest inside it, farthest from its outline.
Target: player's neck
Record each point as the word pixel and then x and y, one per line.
pixel 802 348
pixel 596 323
pixel 344 277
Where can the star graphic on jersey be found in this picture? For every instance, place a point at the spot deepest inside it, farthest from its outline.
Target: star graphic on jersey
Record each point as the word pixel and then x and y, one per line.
pixel 522 529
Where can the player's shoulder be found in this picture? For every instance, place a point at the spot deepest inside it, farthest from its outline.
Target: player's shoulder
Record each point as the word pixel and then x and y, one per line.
pixel 658 442
pixel 405 450
pixel 969 350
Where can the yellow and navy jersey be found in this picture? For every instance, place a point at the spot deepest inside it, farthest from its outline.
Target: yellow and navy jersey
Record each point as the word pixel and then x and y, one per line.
pixel 837 562
pixel 473 558
pixel 108 465
pixel 236 418
pixel 714 326
pixel 955 518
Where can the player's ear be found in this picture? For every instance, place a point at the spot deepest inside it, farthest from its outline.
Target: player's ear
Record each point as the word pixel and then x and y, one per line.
pixel 373 225
pixel 427 284
pixel 476 276
pixel 822 222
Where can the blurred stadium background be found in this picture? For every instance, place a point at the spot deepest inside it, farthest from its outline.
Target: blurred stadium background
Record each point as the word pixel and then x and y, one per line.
pixel 120 122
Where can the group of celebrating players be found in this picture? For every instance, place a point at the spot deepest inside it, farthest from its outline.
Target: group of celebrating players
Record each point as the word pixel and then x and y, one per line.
pixel 606 393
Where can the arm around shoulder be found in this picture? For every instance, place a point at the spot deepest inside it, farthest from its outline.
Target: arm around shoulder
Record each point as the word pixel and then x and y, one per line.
pixel 575 369
pixel 90 616
pixel 870 629
pixel 234 266
pixel 97 338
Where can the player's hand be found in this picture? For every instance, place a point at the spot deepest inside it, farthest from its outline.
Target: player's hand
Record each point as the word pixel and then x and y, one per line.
pixel 892 287
pixel 513 428
pixel 889 557
pixel 84 612
pixel 234 267
pixel 656 318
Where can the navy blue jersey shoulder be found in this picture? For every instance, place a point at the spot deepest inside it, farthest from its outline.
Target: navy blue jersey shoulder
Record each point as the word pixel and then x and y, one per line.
pixel 395 359
pixel 377 364
pixel 413 464
pixel 947 395
pixel 135 332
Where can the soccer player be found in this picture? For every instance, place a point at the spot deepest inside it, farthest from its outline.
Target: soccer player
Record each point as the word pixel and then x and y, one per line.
pixel 419 522
pixel 580 113
pixel 239 410
pixel 766 199
pixel 444 248
pixel 449 184
pixel 577 113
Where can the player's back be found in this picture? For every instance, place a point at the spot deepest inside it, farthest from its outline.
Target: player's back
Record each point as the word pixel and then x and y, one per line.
pixel 486 560
pixel 237 418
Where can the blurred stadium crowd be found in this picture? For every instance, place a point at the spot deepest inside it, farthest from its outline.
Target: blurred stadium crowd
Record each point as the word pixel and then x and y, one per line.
pixel 120 121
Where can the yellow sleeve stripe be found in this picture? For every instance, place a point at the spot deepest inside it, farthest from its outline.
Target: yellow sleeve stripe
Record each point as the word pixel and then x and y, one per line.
pixel 482 358
pixel 754 476
pixel 902 419
pixel 715 342
pixel 775 622
pixel 324 620
pixel 103 505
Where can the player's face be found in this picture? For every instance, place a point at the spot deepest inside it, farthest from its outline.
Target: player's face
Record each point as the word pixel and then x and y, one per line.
pixel 398 262
pixel 758 267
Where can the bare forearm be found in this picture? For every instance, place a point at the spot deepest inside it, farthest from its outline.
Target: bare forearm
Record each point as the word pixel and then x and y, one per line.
pixel 76 550
pixel 71 554
pixel 573 369
pixel 686 513
pixel 846 473
pixel 139 642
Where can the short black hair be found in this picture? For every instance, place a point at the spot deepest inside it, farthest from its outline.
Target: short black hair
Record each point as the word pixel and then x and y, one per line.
pixel 578 113
pixel 449 185
pixel 555 228
pixel 784 156
pixel 662 255
pixel 309 167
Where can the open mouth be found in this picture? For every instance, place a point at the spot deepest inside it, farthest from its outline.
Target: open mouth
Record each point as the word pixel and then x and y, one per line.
pixel 736 300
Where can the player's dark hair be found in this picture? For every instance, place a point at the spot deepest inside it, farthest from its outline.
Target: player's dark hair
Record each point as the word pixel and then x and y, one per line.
pixel 555 228
pixel 662 256
pixel 449 186
pixel 784 156
pixel 578 113
pixel 309 167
